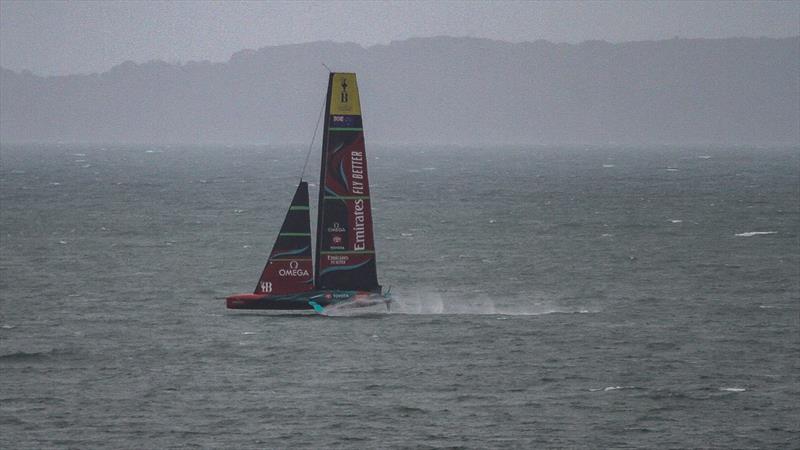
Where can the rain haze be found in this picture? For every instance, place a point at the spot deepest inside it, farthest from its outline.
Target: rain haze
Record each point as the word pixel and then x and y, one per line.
pixel 491 224
pixel 536 72
pixel 59 38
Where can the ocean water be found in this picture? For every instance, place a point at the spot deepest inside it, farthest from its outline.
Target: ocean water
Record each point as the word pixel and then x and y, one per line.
pixel 546 297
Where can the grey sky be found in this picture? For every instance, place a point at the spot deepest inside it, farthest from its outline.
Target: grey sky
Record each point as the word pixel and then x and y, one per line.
pixel 49 37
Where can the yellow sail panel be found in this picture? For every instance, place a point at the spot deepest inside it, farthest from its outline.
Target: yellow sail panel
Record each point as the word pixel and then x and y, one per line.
pixel 344 95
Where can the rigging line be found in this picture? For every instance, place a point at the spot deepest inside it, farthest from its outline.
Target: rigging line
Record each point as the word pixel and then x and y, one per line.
pixel 311 145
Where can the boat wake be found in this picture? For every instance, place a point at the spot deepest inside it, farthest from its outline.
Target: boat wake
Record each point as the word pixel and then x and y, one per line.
pixel 755 233
pixel 354 308
pixel 435 303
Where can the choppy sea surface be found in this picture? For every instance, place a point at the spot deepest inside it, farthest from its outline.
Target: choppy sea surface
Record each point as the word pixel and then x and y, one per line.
pixel 544 297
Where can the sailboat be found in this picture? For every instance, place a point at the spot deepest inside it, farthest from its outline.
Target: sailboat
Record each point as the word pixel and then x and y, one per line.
pixel 343 273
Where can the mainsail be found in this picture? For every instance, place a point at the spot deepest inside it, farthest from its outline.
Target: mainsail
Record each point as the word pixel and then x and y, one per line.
pixel 289 268
pixel 345 253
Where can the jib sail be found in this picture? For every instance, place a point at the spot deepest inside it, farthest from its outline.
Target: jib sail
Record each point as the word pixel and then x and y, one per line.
pixel 289 268
pixel 345 254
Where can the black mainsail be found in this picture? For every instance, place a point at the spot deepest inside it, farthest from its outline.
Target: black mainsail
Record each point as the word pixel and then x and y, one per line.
pixel 345 254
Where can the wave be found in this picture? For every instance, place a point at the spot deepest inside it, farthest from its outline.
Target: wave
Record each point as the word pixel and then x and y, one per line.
pixel 22 355
pixel 26 356
pixel 732 389
pixel 612 388
pixel 755 233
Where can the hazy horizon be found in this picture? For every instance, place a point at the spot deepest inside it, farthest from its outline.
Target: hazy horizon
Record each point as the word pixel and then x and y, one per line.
pixel 64 38
pixel 450 72
pixel 433 91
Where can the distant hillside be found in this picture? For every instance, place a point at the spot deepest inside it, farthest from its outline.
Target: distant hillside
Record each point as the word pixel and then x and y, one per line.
pixel 432 90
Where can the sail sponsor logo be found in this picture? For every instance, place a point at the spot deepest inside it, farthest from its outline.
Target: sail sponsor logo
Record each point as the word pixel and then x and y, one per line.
pixel 360 243
pixel 336 238
pixel 294 270
pixel 266 286
pixel 344 96
pixel 336 242
pixel 357 172
pixel 336 228
pixel 344 121
pixel 337 260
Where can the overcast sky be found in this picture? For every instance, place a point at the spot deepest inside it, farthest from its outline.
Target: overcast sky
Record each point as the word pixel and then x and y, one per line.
pixel 56 37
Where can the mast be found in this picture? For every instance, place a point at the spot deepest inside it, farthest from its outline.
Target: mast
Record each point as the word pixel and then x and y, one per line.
pixel 320 199
pixel 345 253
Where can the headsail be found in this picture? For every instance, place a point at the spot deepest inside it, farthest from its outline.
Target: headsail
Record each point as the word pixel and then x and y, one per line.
pixel 345 254
pixel 289 269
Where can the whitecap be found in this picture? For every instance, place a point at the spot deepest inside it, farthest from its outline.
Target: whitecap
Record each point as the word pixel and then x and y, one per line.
pixel 676 220
pixel 671 169
pixel 609 388
pixel 248 332
pixel 733 389
pixel 704 157
pixel 608 166
pixel 754 233
pixel 406 234
pixel 62 242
